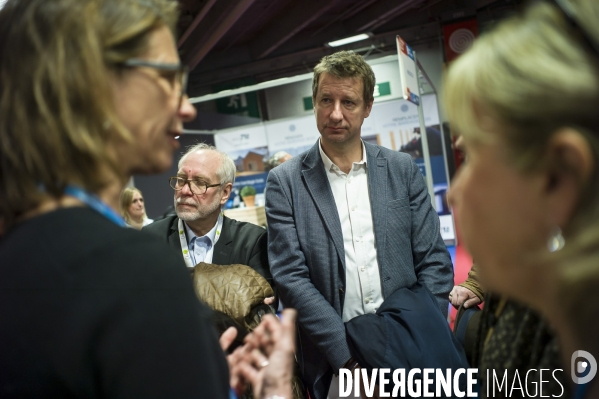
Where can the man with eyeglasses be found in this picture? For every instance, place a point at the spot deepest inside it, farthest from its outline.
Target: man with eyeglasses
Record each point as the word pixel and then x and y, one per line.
pixel 199 231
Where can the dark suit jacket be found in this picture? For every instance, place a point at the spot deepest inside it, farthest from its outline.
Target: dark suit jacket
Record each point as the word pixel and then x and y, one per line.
pixel 239 242
pixel 307 255
pixel 408 331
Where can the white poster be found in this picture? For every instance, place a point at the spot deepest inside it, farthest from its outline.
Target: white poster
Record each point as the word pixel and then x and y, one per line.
pixel 369 127
pixel 292 135
pixel 395 122
pixel 247 145
pixel 407 72
pixel 447 231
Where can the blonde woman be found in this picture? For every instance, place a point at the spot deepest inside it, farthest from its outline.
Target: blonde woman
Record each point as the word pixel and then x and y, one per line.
pixel 524 101
pixel 133 208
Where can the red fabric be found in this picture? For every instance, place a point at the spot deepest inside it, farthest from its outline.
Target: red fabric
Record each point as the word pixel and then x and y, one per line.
pixel 459 37
pixel 458 156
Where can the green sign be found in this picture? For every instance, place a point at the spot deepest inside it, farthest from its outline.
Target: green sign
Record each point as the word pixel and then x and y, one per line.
pixel 380 89
pixel 308 105
pixel 244 104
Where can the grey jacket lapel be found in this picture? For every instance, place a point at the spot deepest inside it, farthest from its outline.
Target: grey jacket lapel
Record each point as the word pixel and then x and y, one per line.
pixel 318 186
pixel 377 191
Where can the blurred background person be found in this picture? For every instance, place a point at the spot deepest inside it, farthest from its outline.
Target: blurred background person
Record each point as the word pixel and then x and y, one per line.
pixel 133 208
pixel 414 146
pixel 524 100
pixel 278 158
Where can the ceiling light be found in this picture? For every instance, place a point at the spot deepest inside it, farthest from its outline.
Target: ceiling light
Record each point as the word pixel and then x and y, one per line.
pixel 348 40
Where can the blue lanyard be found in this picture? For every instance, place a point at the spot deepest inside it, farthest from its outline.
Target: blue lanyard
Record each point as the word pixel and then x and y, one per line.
pixel 96 204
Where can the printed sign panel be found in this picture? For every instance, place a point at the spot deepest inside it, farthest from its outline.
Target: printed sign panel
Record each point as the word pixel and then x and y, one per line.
pixel 292 135
pixel 246 145
pixel 407 72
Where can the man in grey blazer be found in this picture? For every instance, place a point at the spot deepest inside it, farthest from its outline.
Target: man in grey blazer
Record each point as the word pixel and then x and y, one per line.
pixel 199 232
pixel 349 223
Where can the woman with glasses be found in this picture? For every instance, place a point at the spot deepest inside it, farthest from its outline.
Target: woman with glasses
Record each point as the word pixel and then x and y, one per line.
pixel 92 92
pixel 524 100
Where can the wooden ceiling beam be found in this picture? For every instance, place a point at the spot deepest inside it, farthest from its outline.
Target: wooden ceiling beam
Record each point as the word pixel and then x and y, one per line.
pixel 302 14
pixel 196 22
pixel 215 35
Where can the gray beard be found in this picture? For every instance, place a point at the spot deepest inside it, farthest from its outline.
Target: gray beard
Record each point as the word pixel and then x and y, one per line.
pixel 202 212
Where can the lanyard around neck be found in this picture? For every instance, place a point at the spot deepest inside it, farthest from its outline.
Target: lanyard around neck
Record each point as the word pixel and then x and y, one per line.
pixel 95 203
pixel 185 248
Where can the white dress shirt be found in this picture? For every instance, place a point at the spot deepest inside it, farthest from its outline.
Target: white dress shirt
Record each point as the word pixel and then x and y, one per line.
pixel 363 292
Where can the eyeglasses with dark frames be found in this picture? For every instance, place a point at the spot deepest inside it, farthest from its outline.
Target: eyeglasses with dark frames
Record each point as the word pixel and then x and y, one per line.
pixel 570 14
pixel 181 72
pixel 197 187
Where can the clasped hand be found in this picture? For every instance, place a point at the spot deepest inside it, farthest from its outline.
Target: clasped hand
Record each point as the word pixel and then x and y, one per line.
pixel 266 359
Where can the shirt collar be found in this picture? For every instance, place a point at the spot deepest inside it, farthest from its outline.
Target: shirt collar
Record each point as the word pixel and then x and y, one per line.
pixel 190 234
pixel 329 165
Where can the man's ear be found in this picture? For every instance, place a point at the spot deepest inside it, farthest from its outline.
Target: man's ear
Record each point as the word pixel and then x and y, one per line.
pixel 226 193
pixel 570 166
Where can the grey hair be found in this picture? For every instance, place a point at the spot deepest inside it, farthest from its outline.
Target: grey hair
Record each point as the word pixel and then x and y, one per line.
pixel 227 170
pixel 275 160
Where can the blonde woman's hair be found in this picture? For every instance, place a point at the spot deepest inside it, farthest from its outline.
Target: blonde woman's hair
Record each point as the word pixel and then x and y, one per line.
pixel 127 200
pixel 56 107
pixel 520 83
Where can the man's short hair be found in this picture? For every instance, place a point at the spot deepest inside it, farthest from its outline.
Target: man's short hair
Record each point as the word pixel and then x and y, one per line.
pixel 227 170
pixel 346 64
